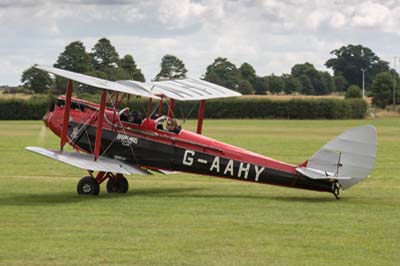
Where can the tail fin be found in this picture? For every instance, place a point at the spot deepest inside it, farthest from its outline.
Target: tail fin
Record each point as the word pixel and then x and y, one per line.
pixel 349 158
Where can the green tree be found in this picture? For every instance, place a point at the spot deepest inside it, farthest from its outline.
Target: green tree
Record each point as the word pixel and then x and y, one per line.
pixel 171 68
pixel 292 84
pixel 319 86
pixel 129 65
pixel 316 81
pixel 275 84
pixel 306 86
pixel 248 73
pixel 329 81
pixel 353 92
pixel 73 58
pixel 36 80
pixel 224 73
pixel 104 56
pixel 382 89
pixel 340 83
pixel 302 73
pixel 245 87
pixel 350 60
pixel 261 85
pixel 118 74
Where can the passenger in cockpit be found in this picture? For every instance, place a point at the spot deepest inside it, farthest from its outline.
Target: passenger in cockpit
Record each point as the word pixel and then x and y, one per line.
pixel 173 125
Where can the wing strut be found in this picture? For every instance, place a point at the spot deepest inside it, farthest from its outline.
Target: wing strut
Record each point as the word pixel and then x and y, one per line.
pixel 160 107
pixel 67 109
pixel 99 130
pixel 201 116
pixel 149 105
pixel 171 108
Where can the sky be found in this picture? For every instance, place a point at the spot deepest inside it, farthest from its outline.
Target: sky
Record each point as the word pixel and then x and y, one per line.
pixel 271 35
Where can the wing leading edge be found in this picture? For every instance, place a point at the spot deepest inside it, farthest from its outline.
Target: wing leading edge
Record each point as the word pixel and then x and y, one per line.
pixel 85 161
pixel 140 88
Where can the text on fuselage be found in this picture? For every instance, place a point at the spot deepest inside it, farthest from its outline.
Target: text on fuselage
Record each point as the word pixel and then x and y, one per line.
pixel 127 140
pixel 189 158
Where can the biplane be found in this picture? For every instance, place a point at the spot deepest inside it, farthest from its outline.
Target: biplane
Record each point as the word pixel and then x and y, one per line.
pixel 110 140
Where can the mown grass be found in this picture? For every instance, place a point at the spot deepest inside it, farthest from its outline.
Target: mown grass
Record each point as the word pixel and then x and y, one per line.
pixel 196 220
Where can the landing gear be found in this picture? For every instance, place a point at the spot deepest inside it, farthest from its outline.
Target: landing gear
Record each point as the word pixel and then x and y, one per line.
pixel 117 184
pixel 336 190
pixel 88 186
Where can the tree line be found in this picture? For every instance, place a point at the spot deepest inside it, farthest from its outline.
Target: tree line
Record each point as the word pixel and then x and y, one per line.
pixel 347 63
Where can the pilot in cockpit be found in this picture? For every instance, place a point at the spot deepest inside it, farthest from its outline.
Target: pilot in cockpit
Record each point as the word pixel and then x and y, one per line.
pixel 131 117
pixel 135 117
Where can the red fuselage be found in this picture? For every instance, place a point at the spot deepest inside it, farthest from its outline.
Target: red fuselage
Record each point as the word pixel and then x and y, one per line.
pixel 150 147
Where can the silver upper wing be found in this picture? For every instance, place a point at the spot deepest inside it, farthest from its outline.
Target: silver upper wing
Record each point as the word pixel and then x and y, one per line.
pixel 139 88
pixel 187 89
pixel 180 89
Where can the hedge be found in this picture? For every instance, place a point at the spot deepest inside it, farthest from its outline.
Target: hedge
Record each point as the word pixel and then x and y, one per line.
pixel 221 108
pixel 278 109
pixel 24 109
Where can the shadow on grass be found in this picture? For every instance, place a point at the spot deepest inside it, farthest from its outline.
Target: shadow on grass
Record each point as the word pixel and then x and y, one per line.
pixel 53 198
pixel 306 199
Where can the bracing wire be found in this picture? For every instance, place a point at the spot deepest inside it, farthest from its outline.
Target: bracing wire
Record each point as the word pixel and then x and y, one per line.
pixel 123 130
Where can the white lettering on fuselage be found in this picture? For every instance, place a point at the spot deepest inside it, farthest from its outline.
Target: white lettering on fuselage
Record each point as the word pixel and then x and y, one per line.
pixel 229 168
pixel 75 132
pixel 215 164
pixel 188 160
pixel 243 169
pixel 127 140
pixel 202 161
pixel 258 171
pixel 242 172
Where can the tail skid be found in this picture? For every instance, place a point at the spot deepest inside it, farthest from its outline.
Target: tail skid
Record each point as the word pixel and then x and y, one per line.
pixel 347 159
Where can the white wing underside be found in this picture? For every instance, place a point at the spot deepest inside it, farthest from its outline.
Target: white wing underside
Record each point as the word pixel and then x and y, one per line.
pixel 85 161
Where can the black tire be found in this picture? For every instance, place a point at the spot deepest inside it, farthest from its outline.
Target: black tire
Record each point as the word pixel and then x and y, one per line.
pixel 88 186
pixel 117 185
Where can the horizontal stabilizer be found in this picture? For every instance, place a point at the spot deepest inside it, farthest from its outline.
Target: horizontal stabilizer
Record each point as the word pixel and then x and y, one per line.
pixel 318 174
pixel 349 158
pixel 86 161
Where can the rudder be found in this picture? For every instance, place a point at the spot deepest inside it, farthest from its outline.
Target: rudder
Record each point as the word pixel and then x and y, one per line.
pixel 348 158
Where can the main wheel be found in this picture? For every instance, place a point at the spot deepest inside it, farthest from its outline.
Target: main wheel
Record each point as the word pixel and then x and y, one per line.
pixel 88 186
pixel 117 185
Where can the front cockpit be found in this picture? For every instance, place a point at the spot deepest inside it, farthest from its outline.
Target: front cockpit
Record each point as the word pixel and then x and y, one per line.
pixel 125 119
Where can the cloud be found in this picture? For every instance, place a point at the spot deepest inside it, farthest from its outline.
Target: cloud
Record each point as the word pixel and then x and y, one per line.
pixel 272 35
pixel 338 20
pixel 371 15
pixel 178 14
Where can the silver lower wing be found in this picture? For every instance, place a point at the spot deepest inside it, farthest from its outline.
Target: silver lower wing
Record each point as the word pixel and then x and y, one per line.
pixel 86 161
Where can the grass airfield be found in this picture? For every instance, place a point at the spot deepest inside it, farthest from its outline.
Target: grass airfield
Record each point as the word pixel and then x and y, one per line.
pixel 186 219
